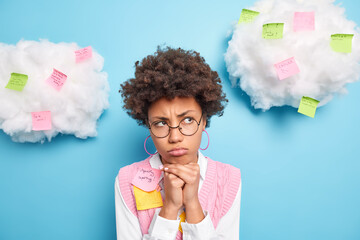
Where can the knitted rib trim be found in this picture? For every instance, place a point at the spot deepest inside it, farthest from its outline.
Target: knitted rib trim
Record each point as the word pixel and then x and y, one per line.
pixel 125 176
pixel 208 184
pixel 232 189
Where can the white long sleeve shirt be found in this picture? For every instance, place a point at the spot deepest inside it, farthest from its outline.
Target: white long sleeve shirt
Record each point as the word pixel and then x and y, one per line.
pixel 128 226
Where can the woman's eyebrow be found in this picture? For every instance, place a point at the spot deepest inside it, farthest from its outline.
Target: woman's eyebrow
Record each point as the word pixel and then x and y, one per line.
pixel 179 115
pixel 186 112
pixel 161 118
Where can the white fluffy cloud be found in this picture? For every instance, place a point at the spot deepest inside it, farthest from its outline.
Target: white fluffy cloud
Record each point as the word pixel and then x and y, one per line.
pixel 323 73
pixel 74 109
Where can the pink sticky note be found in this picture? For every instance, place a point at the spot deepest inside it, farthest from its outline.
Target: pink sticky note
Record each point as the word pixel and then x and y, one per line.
pixel 304 21
pixel 286 68
pixel 83 54
pixel 41 120
pixel 147 179
pixel 57 79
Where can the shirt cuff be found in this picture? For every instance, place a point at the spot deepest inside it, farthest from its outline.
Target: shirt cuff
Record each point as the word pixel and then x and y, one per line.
pixel 202 230
pixel 163 228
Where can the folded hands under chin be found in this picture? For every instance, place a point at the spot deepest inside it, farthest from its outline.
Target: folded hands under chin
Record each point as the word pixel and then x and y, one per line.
pixel 181 184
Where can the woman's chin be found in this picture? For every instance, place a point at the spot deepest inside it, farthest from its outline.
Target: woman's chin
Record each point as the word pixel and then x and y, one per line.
pixel 185 159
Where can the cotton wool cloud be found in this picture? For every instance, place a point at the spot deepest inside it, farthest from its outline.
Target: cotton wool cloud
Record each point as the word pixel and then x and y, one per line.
pixel 75 107
pixel 323 73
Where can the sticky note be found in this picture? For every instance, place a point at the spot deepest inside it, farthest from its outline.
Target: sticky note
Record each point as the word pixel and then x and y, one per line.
pixel 17 81
pixel 308 106
pixel 147 179
pixel 286 68
pixel 83 54
pixel 182 219
pixel 146 200
pixel 341 42
pixel 247 16
pixel 41 120
pixel 57 79
pixel 273 30
pixel 304 21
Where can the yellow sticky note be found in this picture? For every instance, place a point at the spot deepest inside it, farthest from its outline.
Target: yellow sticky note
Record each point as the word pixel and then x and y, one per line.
pixel 182 219
pixel 341 42
pixel 308 106
pixel 17 81
pixel 247 16
pixel 273 30
pixel 146 200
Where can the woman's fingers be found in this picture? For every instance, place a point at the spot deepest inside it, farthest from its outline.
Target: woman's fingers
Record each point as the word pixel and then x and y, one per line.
pixel 174 180
pixel 173 187
pixel 188 173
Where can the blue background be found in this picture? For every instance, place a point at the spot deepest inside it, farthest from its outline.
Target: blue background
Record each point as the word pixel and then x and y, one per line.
pixel 300 175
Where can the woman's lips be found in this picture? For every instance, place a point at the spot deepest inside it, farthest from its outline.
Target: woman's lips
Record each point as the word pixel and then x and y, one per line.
pixel 177 152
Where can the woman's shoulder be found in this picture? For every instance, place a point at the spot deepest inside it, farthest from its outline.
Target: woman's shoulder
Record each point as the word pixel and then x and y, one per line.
pixel 129 169
pixel 221 165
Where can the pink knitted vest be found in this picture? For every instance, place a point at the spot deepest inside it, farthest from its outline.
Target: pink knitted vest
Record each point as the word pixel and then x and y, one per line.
pixel 216 195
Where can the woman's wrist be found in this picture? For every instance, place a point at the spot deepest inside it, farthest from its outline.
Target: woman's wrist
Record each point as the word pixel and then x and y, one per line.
pixel 194 211
pixel 192 203
pixel 169 212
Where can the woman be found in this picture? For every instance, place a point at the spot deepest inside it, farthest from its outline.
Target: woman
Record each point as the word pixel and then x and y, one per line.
pixel 176 193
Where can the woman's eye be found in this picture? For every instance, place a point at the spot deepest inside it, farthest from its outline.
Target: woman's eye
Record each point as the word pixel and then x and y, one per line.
pixel 160 124
pixel 188 120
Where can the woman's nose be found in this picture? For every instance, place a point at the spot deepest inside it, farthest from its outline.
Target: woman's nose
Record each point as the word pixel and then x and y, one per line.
pixel 175 135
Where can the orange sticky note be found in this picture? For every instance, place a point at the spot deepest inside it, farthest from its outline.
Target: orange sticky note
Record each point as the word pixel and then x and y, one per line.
pixel 146 200
pixel 182 219
pixel 41 120
pixel 57 79
pixel 83 54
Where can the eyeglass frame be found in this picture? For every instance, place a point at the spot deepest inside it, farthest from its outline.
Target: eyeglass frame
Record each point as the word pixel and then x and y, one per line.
pixel 178 126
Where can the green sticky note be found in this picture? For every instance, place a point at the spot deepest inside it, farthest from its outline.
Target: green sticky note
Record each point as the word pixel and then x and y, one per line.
pixel 247 16
pixel 17 81
pixel 273 30
pixel 308 106
pixel 341 42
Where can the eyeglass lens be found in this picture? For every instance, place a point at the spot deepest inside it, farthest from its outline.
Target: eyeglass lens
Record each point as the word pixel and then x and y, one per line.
pixel 187 126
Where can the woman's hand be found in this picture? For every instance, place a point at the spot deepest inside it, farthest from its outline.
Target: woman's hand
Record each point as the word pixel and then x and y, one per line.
pixel 190 175
pixel 173 196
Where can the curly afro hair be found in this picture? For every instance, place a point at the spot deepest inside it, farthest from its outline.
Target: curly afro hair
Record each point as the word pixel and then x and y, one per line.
pixel 172 73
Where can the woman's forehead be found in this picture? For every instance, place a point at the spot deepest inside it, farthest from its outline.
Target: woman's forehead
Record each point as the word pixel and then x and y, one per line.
pixel 176 106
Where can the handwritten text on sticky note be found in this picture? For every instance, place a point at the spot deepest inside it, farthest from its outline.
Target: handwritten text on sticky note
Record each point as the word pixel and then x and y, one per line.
pixel 273 30
pixel 308 106
pixel 247 16
pixel 83 54
pixel 341 42
pixel 146 200
pixel 286 68
pixel 57 79
pixel 304 21
pixel 17 81
pixel 147 178
pixel 41 120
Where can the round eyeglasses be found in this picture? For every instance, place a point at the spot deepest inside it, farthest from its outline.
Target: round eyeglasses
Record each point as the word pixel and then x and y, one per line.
pixel 187 127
